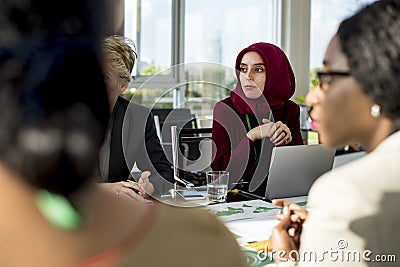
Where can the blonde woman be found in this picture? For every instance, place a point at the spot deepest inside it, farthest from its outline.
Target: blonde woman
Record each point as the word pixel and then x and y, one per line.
pixel 131 137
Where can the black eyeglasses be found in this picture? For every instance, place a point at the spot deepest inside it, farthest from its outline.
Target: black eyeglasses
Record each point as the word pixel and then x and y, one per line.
pixel 325 77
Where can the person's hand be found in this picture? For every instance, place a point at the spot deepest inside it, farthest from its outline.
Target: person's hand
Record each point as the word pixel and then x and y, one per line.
pixel 126 189
pixel 286 235
pixel 282 242
pixel 145 183
pixel 281 135
pixel 278 132
pixel 264 130
pixel 297 213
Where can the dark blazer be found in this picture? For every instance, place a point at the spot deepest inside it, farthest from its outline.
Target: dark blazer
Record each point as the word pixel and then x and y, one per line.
pixel 134 139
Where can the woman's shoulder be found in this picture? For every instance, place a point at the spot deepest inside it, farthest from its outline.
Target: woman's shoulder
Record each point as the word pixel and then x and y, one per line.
pixel 358 179
pixel 224 105
pixel 126 104
pixel 187 231
pixel 134 112
pixel 290 105
pixel 189 219
pixel 225 101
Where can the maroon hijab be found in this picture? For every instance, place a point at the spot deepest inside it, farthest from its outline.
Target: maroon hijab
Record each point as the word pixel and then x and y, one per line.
pixel 279 85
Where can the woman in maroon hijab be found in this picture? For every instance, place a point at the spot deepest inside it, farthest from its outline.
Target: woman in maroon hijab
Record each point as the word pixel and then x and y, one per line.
pixel 258 110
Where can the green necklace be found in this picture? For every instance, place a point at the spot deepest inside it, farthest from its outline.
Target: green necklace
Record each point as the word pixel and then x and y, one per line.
pixel 249 126
pixel 256 156
pixel 58 210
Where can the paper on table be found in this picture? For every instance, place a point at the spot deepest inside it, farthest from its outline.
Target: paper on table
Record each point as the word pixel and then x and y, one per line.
pixel 252 230
pixel 259 227
pixel 302 201
pixel 243 210
pixel 250 220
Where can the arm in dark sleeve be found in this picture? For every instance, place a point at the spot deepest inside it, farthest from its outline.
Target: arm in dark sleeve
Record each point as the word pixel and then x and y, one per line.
pixel 155 151
pixel 293 115
pixel 236 160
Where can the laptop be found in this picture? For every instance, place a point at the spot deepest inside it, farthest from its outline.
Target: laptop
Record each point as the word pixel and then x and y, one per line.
pixel 346 158
pixel 294 169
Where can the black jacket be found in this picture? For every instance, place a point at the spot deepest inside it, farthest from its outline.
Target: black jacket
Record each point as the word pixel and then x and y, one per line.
pixel 134 139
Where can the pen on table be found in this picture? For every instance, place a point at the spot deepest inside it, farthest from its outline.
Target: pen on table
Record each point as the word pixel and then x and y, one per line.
pixel 134 189
pixel 240 183
pixel 183 181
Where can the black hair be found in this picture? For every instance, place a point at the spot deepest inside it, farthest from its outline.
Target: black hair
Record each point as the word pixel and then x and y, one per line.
pixel 53 101
pixel 371 41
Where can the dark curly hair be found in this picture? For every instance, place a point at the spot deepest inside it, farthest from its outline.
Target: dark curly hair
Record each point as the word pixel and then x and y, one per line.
pixel 371 41
pixel 53 101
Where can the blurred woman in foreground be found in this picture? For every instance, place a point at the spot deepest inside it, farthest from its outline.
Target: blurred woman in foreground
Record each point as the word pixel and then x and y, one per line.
pixel 53 118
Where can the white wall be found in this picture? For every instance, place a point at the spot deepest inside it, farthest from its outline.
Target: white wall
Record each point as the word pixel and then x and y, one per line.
pixel 296 40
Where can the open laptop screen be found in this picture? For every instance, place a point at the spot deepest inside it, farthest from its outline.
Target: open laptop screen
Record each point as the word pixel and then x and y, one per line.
pixel 294 169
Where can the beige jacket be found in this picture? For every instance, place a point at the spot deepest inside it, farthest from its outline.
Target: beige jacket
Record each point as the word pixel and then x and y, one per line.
pixel 354 214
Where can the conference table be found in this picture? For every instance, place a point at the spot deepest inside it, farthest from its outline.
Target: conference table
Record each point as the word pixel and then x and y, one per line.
pixel 250 221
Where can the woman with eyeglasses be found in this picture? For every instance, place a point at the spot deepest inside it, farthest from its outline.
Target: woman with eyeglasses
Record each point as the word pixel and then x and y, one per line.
pixel 353 217
pixel 257 114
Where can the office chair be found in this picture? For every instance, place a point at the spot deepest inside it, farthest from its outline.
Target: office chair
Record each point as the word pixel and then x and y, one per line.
pixel 165 118
pixel 192 153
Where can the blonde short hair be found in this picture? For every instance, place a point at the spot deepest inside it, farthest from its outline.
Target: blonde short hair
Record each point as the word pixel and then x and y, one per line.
pixel 120 52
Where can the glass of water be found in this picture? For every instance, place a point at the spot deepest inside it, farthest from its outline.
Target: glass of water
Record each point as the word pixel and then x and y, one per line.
pixel 217 185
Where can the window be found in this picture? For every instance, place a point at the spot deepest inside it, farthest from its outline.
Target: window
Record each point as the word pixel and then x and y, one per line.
pixel 215 32
pixel 326 16
pixel 149 25
pixel 150 97
pixel 168 32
